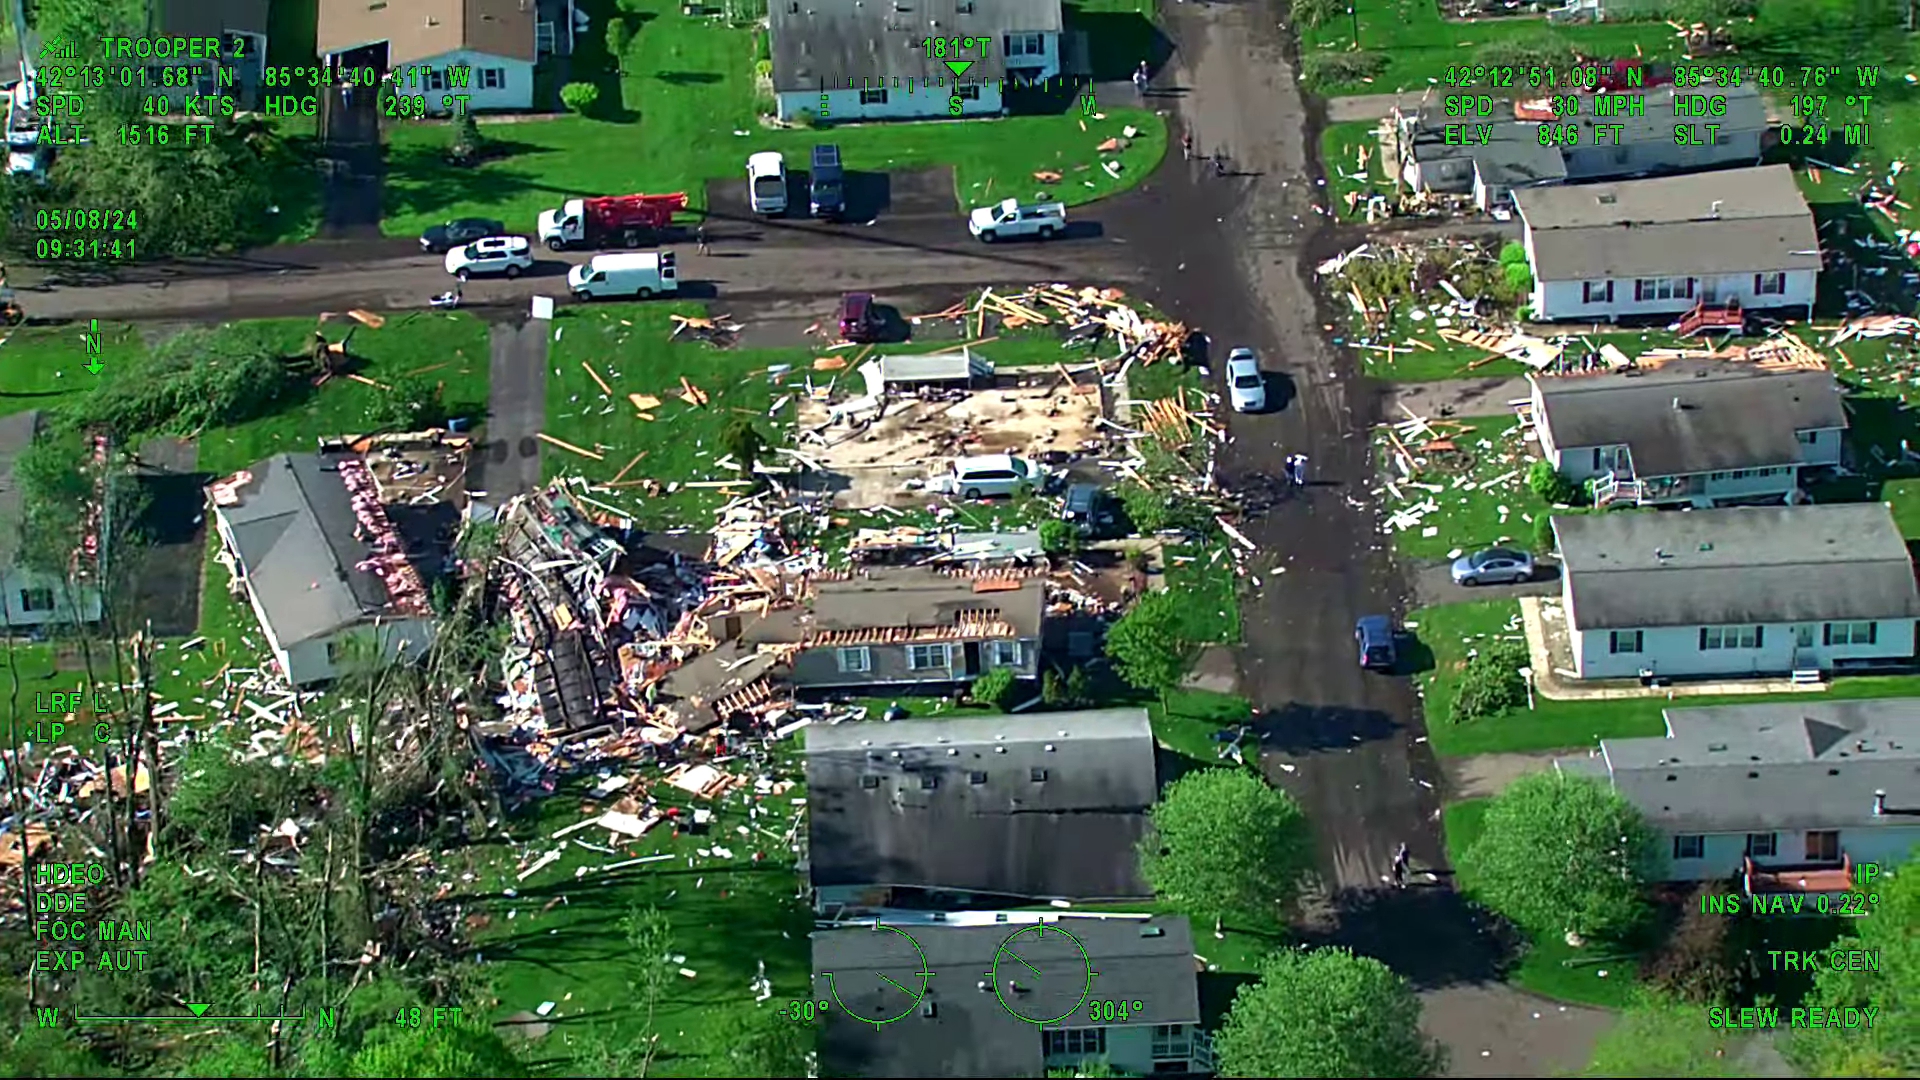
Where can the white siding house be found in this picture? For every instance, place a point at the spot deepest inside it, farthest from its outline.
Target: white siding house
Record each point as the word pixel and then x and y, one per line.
pixel 1690 433
pixel 320 590
pixel 1783 799
pixel 484 49
pixel 1736 593
pixel 29 598
pixel 240 28
pixel 839 61
pixel 1663 246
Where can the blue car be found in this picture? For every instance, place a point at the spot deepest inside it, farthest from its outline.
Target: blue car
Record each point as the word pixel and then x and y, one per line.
pixel 1374 635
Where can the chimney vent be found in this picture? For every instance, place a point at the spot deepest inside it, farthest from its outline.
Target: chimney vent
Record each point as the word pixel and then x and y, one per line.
pixel 1879 804
pixel 1716 207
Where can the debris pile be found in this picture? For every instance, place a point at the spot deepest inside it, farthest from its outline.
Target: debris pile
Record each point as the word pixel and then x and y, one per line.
pixel 1437 466
pixel 1087 315
pixel 719 331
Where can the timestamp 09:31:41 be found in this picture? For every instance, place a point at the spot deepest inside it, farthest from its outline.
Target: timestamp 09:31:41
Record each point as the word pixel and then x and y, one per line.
pixel 122 248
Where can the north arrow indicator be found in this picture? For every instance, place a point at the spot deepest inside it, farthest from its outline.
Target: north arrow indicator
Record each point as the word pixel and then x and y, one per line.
pixel 199 1009
pixel 959 67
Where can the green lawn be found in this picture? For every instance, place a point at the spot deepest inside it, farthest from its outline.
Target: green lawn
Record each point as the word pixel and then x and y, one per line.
pixel 1187 722
pixel 1420 46
pixel 1471 485
pixel 1448 633
pixel 684 114
pixel 42 366
pixel 1205 573
pixel 560 938
pixel 1341 146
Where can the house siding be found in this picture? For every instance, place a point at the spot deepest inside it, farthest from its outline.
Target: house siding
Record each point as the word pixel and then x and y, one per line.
pixel 1724 853
pixel 248 69
pixel 1675 650
pixel 307 663
pixel 1553 300
pixel 920 103
pixel 1129 1048
pixel 1827 447
pixel 819 668
pixel 17 581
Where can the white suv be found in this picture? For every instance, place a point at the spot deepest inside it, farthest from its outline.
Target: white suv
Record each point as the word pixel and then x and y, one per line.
pixel 509 255
pixel 990 474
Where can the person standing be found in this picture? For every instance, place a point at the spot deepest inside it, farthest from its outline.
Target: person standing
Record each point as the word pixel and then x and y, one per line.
pixel 1186 146
pixel 1141 77
pixel 1400 867
pixel 700 238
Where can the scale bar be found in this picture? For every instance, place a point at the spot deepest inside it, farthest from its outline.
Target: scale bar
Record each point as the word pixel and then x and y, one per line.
pixel 183 1017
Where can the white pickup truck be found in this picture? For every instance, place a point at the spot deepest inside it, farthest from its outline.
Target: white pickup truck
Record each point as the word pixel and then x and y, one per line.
pixel 1012 218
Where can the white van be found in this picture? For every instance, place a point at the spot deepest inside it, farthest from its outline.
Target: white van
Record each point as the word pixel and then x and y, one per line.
pixel 767 182
pixel 988 475
pixel 628 273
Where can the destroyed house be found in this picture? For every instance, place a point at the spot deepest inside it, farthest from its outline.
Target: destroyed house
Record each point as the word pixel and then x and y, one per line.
pixel 1690 433
pixel 1740 238
pixel 31 597
pixel 565 665
pixel 908 627
pixel 961 1028
pixel 954 813
pixel 321 563
pixel 1785 797
pixel 1737 593
pixel 1487 158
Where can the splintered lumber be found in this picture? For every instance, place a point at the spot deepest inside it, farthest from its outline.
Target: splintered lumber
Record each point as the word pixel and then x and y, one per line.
pixel 565 445
pixel 598 381
pixel 1236 535
pixel 691 394
pixel 628 467
pixel 370 382
pixel 644 402
pixel 829 363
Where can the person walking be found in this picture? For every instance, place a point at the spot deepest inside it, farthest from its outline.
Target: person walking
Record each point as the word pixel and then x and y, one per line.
pixel 1186 146
pixel 700 238
pixel 1400 867
pixel 1141 77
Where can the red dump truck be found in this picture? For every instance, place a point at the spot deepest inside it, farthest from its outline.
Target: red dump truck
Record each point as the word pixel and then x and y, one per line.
pixel 627 220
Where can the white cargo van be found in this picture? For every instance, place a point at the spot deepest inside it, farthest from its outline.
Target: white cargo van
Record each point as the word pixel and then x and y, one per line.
pixel 767 182
pixel 630 273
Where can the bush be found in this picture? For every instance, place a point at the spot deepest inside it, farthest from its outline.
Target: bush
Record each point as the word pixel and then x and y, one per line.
pixel 1513 253
pixel 413 404
pixel 1519 279
pixel 1316 13
pixel 619 35
pixel 763 69
pixel 1700 961
pixel 1491 684
pixel 467 140
pixel 804 119
pixel 1543 535
pixel 1554 487
pixel 1053 689
pixel 1079 687
pixel 579 97
pixel 1323 69
pixel 995 689
pixel 1057 537
pixel 1541 51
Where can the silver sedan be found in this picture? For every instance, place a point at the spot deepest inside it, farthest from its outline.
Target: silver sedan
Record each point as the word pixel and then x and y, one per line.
pixel 1494 566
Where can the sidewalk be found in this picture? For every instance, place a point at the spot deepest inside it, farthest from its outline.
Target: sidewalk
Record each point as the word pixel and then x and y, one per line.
pixel 1343 110
pixel 1544 622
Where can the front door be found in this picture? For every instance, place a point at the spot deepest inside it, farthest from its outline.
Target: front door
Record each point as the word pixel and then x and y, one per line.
pixel 1803 637
pixel 971 653
pixel 1710 291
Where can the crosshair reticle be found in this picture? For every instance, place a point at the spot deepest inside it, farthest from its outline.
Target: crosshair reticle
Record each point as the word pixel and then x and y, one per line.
pixel 888 984
pixel 1042 974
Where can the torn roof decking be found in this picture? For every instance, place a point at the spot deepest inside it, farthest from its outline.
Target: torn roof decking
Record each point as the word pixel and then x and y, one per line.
pixel 907 605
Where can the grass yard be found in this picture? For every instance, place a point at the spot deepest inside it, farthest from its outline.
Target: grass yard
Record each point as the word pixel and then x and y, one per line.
pixel 1473 496
pixel 1551 968
pixel 1342 147
pixel 42 366
pixel 557 937
pixel 1186 723
pixel 684 113
pixel 1205 573
pixel 1447 636
pixel 1419 45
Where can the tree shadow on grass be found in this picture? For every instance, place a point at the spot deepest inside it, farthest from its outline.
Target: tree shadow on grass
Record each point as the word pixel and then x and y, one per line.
pixel 1428 933
pixel 420 179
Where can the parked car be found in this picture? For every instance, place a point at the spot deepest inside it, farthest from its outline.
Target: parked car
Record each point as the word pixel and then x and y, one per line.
pixel 1011 217
pixel 1088 508
pixel 1494 566
pixel 859 318
pixel 453 234
pixel 988 475
pixel 767 182
pixel 826 183
pixel 639 274
pixel 1378 647
pixel 1246 387
pixel 508 255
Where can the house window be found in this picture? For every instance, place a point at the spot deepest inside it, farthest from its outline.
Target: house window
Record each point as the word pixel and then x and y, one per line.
pixel 1823 845
pixel 976 778
pixel 1852 633
pixel 436 79
pixel 1762 845
pixel 876 96
pixel 1026 45
pixel 493 78
pixel 1171 1042
pixel 925 657
pixel 869 781
pixel 36 599
pixel 929 781
pixel 1689 847
pixel 967 92
pixel 1596 292
pixel 1038 776
pixel 1625 641
pixel 1769 284
pixel 1006 653
pixel 1662 288
pixel 1076 1042
pixel 857 659
pixel 1807 438
pixel 1731 637
pixel 333 653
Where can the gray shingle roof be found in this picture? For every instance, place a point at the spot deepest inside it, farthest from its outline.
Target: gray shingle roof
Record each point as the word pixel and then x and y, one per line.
pixel 1761 768
pixel 1005 805
pixel 1731 221
pixel 294 526
pixel 1739 567
pixel 16 434
pixel 1731 416
pixel 969 1032
pixel 820 44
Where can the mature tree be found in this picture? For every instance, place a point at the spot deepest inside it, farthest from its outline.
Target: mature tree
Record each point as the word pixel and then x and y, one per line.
pixel 1149 646
pixel 432 1052
pixel 1891 1047
pixel 1661 1036
pixel 1225 843
pixel 1324 1012
pixel 198 379
pixel 1559 853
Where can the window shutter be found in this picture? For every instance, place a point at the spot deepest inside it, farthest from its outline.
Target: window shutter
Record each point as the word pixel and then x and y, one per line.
pixel 1609 291
pixel 1873 633
pixel 1756 283
pixel 1691 282
pixel 1759 637
pixel 1703 639
pixel 1826 633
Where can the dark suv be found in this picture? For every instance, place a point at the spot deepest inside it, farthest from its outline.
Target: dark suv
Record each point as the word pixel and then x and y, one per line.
pixel 826 183
pixel 1374 636
pixel 859 319
pixel 1087 509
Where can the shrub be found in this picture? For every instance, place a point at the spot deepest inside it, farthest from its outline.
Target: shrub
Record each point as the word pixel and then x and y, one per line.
pixel 1512 253
pixel 619 34
pixel 1053 690
pixel 467 140
pixel 1079 686
pixel 804 119
pixel 1324 69
pixel 1700 960
pixel 1491 684
pixel 1519 279
pixel 763 69
pixel 1057 537
pixel 578 97
pixel 995 689
pixel 1554 487
pixel 1543 535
